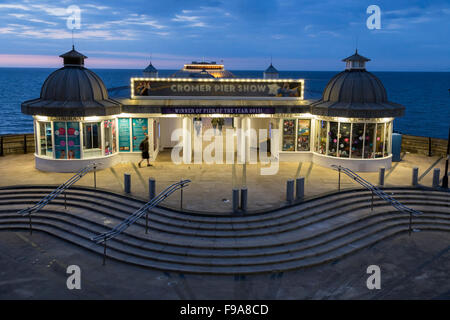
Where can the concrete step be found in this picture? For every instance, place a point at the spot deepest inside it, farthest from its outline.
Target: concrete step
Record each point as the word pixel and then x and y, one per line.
pixel 235 269
pixel 235 223
pixel 102 213
pixel 317 240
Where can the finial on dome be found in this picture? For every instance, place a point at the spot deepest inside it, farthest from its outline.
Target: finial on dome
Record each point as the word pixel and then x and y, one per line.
pixel 73 58
pixel 356 62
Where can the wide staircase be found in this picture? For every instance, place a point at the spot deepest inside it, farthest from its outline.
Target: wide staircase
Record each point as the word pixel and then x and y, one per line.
pixel 310 233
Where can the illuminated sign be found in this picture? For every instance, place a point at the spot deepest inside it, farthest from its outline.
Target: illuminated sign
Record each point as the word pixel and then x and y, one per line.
pixel 217 110
pixel 187 87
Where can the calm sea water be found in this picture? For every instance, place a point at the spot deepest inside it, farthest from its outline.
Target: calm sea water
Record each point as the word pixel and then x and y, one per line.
pixel 424 94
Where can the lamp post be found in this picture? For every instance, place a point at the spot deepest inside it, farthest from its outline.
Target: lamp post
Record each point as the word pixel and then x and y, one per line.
pixel 445 179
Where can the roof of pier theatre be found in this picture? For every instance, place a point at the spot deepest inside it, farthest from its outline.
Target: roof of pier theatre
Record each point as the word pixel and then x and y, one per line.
pixel 156 105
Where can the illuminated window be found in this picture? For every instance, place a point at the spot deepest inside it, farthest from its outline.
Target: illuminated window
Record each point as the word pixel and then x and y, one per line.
pixel 333 139
pixel 344 140
pixel 369 140
pixel 92 140
pixel 288 135
pixel 357 140
pixel 303 136
pixel 45 133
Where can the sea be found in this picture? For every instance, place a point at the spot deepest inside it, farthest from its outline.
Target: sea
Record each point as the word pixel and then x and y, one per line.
pixel 426 95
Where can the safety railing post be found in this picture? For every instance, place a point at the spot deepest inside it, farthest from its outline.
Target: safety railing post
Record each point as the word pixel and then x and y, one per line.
pixel 24 144
pixel 31 227
pixel 436 174
pixel 181 197
pixel 244 199
pixel 371 207
pixel 339 179
pixel 95 177
pixel 235 200
pixel 151 188
pixel 290 190
pixel 300 189
pixel 104 251
pixel 127 182
pixel 65 201
pixel 146 223
pixel 415 176
pixel 381 176
pixel 410 223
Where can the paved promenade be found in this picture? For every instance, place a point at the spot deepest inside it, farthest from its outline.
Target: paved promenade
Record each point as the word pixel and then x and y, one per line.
pixel 211 185
pixel 413 267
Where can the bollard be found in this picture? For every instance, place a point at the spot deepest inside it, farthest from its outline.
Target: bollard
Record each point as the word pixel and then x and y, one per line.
pixel 244 193
pixel 381 176
pixel 127 182
pixel 415 176
pixel 300 188
pixel 290 190
pixel 151 188
pixel 436 174
pixel 235 200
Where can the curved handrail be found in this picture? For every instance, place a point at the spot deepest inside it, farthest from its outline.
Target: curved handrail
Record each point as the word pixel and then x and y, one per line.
pixel 140 212
pixel 380 193
pixel 61 188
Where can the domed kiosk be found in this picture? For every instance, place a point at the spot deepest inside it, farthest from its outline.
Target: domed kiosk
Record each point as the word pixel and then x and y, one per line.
pixel 73 118
pixel 354 119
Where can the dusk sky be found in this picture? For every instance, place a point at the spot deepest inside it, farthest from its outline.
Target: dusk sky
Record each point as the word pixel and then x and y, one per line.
pixel 299 35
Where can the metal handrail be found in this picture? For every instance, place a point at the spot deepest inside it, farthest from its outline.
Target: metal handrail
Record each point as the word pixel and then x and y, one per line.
pixel 395 203
pixel 61 188
pixel 103 237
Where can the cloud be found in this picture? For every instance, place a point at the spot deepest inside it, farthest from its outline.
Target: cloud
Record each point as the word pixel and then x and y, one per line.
pixel 15 6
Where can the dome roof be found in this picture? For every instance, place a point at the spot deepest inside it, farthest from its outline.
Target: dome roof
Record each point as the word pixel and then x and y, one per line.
pixel 355 86
pixel 73 84
pixel 356 93
pixel 72 91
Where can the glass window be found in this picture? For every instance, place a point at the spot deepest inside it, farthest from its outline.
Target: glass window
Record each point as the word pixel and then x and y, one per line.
pixel 379 142
pixel 357 140
pixel 110 137
pixel 140 130
pixel 92 140
pixel 60 140
pixel 45 132
pixel 387 142
pixel 73 140
pixel 288 135
pixel 303 136
pixel 344 140
pixel 124 135
pixel 322 136
pixel 333 139
pixel 368 142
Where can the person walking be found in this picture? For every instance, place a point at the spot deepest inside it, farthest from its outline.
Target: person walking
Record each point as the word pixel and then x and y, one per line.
pixel 144 147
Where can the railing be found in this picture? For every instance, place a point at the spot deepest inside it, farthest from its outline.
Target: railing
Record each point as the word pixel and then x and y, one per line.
pixel 103 237
pixel 44 201
pixel 380 193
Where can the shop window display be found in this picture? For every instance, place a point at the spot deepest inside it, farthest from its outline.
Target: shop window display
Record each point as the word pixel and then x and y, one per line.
pixel 357 140
pixel 333 139
pixel 379 141
pixel 288 135
pixel 303 135
pixel 368 141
